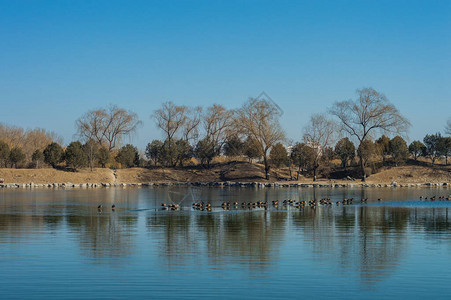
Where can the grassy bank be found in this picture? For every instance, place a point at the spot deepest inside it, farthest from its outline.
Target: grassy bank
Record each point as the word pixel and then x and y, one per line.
pixel 234 171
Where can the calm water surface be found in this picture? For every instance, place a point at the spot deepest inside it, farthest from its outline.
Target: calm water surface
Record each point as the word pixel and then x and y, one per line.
pixel 55 244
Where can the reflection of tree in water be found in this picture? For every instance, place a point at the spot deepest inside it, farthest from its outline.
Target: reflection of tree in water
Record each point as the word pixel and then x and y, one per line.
pixel 368 239
pixel 179 239
pixel 219 237
pixel 382 239
pixel 24 225
pixel 104 237
pixel 433 222
pixel 20 226
pixel 254 236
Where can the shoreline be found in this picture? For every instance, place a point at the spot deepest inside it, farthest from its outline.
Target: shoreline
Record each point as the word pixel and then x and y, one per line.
pixel 68 185
pixel 225 175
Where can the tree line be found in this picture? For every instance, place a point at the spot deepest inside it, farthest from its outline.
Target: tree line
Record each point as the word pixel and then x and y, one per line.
pixel 347 131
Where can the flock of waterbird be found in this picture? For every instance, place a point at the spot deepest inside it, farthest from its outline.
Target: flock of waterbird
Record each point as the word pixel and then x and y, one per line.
pixel 202 206
pixel 276 203
pixel 433 198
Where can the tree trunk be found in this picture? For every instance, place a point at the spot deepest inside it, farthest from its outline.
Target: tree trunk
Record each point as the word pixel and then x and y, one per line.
pixel 265 160
pixel 362 168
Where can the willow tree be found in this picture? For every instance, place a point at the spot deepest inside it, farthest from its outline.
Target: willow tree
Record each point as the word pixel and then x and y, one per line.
pixel 107 126
pixel 259 120
pixel 319 135
pixel 217 121
pixel 177 121
pixel 369 114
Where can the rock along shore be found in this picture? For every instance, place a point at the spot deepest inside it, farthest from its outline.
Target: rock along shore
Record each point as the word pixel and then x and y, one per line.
pixel 66 185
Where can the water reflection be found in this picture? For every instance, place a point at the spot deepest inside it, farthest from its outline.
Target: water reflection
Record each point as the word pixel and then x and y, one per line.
pixel 108 238
pixel 249 238
pixel 366 241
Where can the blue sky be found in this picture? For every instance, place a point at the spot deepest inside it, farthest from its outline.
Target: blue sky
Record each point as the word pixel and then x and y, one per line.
pixel 59 59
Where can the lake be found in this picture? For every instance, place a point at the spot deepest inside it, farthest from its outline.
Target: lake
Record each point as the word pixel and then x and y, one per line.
pixel 57 244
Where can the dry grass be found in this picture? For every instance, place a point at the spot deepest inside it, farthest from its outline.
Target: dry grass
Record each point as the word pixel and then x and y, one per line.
pixel 412 174
pixel 232 171
pixel 236 171
pixel 56 176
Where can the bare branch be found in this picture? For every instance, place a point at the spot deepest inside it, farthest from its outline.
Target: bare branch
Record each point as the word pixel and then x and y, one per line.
pixel 259 120
pixel 369 114
pixel 217 122
pixel 448 127
pixel 107 126
pixel 170 118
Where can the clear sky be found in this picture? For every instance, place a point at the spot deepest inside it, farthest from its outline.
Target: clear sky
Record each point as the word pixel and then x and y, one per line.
pixel 59 59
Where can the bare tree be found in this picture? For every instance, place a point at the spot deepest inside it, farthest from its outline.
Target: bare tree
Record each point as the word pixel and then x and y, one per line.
pixel 14 136
pixel 448 127
pixel 370 113
pixel 191 126
pixel 120 123
pixel 259 120
pixel 28 140
pixel 174 121
pixel 107 126
pixel 217 122
pixel 90 148
pixel 91 125
pixel 171 119
pixel 319 134
pixel 38 139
